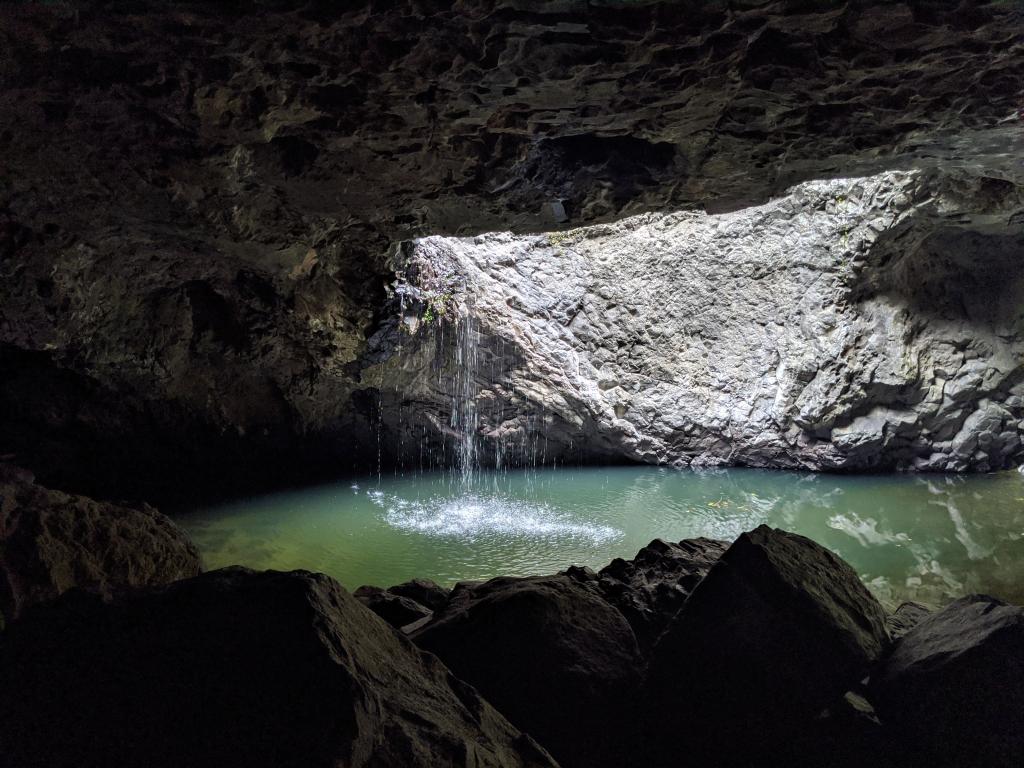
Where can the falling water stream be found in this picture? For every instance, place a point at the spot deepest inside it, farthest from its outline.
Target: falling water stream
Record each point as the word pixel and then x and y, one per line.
pixel 465 419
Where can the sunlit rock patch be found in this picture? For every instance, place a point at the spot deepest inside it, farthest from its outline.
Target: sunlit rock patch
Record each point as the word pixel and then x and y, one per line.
pixel 853 323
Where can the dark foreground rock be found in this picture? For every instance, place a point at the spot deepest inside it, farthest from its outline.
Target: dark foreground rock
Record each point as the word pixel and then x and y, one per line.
pixel 952 691
pixel 778 630
pixel 237 668
pixel 651 588
pixel 423 591
pixel 52 541
pixel 409 603
pixel 396 610
pixel 554 657
pixel 905 618
pixel 848 734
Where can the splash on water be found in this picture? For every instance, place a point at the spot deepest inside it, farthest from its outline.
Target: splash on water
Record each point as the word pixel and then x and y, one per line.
pixel 472 516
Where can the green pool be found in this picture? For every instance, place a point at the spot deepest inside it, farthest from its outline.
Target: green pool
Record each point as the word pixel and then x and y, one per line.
pixel 922 537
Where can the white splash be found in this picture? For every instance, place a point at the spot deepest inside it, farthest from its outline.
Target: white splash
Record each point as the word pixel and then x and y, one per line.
pixel 474 516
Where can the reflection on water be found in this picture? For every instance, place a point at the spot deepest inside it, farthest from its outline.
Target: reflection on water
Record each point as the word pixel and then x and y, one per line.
pixel 927 538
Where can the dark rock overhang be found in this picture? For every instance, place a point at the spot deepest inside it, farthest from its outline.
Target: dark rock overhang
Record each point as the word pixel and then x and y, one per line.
pixel 423 118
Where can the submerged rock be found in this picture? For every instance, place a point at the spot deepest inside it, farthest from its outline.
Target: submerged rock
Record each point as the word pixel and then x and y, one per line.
pixel 238 668
pixel 651 588
pixel 396 610
pixel 776 632
pixel 52 541
pixel 952 690
pixel 554 657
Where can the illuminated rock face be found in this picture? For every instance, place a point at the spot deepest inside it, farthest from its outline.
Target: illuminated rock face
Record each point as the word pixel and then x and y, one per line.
pixel 856 323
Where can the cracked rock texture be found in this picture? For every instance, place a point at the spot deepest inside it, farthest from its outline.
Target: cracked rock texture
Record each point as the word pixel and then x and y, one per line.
pixel 197 200
pixel 852 324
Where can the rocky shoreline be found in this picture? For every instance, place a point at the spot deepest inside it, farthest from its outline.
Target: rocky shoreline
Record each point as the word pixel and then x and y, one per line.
pixel 765 651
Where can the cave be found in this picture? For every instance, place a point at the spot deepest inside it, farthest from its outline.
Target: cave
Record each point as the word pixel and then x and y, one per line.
pixel 583 383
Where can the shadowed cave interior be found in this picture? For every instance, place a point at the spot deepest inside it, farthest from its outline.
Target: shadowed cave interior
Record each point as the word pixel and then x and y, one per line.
pixel 505 383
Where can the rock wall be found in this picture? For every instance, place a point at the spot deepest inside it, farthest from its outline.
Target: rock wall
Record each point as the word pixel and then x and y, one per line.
pixel 197 200
pixel 851 324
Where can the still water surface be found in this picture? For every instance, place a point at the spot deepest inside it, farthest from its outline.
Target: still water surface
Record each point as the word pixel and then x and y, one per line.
pixel 922 537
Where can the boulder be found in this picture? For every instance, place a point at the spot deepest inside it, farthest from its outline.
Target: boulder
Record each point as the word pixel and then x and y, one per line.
pixel 952 690
pixel 553 656
pixel 651 588
pixel 905 618
pixel 848 734
pixel 778 630
pixel 423 591
pixel 238 668
pixel 396 610
pixel 52 541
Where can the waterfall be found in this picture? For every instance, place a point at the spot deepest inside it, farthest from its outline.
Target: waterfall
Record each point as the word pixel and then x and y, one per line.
pixel 470 369
pixel 465 418
pixel 480 365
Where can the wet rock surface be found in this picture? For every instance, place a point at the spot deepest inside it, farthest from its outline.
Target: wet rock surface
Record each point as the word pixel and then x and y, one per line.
pixel 777 657
pixel 51 542
pixel 952 690
pixel 774 634
pixel 236 668
pixel 197 204
pixel 203 208
pixel 556 659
